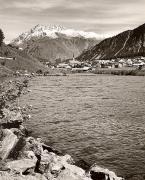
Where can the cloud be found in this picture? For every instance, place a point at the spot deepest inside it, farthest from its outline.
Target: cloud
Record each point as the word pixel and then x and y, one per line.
pixel 101 16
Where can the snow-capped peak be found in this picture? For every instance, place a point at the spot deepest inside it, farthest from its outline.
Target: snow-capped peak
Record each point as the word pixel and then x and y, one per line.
pixel 39 27
pixel 53 31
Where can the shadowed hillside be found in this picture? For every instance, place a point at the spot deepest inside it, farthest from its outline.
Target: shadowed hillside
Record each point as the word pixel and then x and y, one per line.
pixel 126 44
pixel 46 49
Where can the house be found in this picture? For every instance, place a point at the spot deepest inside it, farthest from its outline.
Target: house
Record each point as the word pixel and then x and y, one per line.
pixel 74 63
pixel 138 64
pixel 63 65
pixel 86 68
pixel 129 62
pixel 142 58
pixel 121 63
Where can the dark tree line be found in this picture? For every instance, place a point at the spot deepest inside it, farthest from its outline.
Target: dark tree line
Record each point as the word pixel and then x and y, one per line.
pixel 1 37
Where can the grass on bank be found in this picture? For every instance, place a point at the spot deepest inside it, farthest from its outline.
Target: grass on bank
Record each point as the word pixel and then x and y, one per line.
pixel 121 71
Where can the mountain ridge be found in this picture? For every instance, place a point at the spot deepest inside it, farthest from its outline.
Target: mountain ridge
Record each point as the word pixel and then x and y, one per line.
pixel 126 44
pixel 49 43
pixel 53 31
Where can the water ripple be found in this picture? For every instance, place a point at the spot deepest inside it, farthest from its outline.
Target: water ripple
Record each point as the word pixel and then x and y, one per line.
pixel 95 118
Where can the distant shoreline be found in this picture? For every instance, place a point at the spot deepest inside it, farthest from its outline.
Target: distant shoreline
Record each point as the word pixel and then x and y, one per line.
pixel 120 72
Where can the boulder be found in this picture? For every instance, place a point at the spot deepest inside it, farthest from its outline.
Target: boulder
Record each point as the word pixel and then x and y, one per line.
pixel 55 168
pixel 56 164
pixel 50 163
pixel 21 165
pixel 75 170
pixel 34 145
pixel 66 159
pixel 68 174
pixel 30 155
pixel 98 173
pixel 12 119
pixel 8 176
pixel 50 157
pixel 47 158
pixel 23 130
pixel 8 143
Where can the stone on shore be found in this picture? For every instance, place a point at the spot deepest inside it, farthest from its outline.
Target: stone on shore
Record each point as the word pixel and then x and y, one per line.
pixel 8 143
pixel 12 119
pixel 61 167
pixel 69 174
pixel 21 165
pixel 8 176
pixel 98 173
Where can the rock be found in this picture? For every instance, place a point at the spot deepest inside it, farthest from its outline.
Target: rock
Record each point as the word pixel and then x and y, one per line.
pixel 16 131
pixel 53 163
pixel 12 119
pixel 13 115
pixel 34 145
pixel 56 164
pixel 37 177
pixel 75 170
pixel 8 176
pixel 17 151
pixel 67 159
pixel 50 163
pixel 59 163
pixel 5 176
pixel 46 157
pixel 3 166
pixel 30 155
pixel 23 130
pixel 21 165
pixel 68 174
pixel 53 158
pixel 55 168
pixel 98 173
pixel 8 144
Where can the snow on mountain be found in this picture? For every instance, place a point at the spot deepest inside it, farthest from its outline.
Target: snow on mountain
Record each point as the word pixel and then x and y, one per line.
pixel 54 32
pixel 49 43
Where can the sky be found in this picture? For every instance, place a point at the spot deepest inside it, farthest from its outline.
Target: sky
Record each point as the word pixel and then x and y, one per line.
pixel 105 17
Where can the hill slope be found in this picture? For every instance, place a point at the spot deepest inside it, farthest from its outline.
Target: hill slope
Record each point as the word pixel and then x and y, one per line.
pixel 22 60
pixel 126 44
pixel 48 43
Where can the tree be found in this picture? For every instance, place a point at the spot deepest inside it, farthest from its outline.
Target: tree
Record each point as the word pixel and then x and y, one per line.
pixel 1 37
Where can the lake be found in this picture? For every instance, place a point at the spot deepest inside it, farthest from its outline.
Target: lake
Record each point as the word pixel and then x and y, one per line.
pixel 97 118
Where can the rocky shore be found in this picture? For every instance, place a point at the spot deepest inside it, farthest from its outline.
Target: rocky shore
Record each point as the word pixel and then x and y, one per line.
pixel 27 158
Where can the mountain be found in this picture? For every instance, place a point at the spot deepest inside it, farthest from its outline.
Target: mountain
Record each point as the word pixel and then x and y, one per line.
pixel 126 44
pixel 48 43
pixel 21 61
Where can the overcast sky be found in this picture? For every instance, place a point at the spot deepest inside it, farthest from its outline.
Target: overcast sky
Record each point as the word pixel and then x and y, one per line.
pixel 101 16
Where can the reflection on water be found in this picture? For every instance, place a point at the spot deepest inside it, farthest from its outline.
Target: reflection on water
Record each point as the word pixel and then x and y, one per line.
pixel 96 118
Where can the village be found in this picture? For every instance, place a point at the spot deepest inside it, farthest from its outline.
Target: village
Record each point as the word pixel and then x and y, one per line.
pixel 74 65
pixel 118 66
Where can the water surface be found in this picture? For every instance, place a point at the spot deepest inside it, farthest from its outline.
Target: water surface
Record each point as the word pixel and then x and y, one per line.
pixel 96 118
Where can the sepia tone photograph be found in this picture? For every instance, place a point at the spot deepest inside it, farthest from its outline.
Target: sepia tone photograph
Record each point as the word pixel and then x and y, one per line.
pixel 72 90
